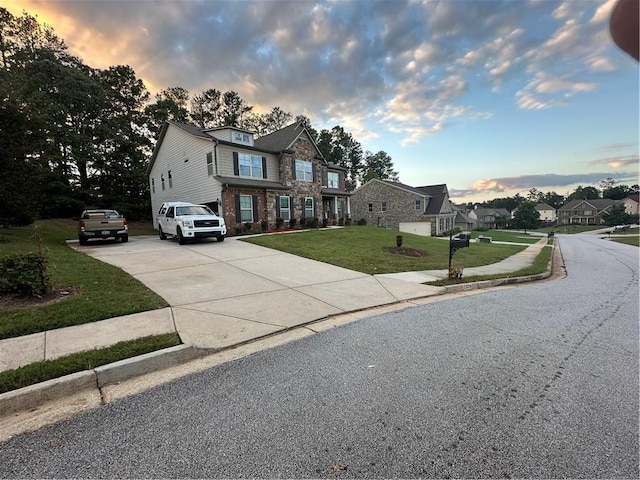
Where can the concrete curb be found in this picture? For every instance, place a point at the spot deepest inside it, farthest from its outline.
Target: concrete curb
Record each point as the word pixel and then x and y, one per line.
pixel 33 396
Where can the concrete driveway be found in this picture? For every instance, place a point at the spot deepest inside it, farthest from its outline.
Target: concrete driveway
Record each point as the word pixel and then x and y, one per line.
pixel 225 293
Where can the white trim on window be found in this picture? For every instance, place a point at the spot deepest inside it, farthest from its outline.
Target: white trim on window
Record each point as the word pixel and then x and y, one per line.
pixel 304 171
pixel 246 208
pixel 308 207
pixel 285 208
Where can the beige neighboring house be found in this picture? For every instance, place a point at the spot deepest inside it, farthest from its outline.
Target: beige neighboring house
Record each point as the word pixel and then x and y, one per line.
pixel 393 205
pixel 489 217
pixel 547 212
pixel 247 180
pixel 631 204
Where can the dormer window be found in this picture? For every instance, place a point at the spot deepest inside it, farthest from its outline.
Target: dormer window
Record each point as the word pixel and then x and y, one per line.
pixel 240 137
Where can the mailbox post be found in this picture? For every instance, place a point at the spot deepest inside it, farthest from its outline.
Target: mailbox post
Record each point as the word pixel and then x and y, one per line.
pixel 456 244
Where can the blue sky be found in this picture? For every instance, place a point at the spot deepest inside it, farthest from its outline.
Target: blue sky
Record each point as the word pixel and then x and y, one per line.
pixel 492 98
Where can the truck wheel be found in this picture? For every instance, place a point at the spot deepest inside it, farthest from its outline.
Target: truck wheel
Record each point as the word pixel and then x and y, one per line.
pixel 82 240
pixel 161 234
pixel 181 239
pixel 125 238
pixel 221 239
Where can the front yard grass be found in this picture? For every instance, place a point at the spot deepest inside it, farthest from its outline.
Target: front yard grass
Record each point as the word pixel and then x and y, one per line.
pixel 362 248
pixel 627 240
pixel 99 291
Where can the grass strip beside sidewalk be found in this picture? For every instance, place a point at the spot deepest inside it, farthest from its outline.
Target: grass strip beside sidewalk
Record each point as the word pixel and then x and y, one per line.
pixel 77 362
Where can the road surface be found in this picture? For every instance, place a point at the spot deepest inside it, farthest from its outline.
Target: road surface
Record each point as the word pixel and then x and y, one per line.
pixel 538 380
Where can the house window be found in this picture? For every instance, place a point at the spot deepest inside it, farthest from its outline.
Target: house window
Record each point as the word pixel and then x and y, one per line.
pixel 588 212
pixel 308 207
pixel 419 204
pixel 285 208
pixel 153 185
pixel 332 180
pixel 246 208
pixel 210 164
pixel 383 207
pixel 388 224
pixel 250 165
pixel 304 171
pixel 170 180
pixel 371 207
pixel 240 137
pixel 162 180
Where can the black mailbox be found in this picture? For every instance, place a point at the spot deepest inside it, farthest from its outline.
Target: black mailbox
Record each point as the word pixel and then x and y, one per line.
pixel 461 243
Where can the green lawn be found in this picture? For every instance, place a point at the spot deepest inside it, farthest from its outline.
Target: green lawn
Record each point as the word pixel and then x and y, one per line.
pixel 362 248
pixel 627 240
pixel 103 291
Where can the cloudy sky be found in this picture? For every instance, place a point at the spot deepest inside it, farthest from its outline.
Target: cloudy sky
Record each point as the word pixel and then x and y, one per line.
pixel 490 97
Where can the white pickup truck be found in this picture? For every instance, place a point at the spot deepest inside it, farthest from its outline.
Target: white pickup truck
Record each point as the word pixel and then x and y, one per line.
pixel 186 221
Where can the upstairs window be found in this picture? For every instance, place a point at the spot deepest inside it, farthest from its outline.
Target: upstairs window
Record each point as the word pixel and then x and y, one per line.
pixel 250 165
pixel 419 204
pixel 304 171
pixel 383 207
pixel 240 137
pixel 333 181
pixel 210 164
pixel 371 207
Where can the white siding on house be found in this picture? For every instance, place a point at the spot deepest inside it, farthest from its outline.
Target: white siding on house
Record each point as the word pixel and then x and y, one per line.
pixel 186 157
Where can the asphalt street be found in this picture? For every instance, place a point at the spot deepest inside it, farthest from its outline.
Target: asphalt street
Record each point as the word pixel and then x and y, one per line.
pixel 539 380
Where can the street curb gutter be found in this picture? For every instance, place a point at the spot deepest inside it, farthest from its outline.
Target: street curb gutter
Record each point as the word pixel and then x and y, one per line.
pixel 34 396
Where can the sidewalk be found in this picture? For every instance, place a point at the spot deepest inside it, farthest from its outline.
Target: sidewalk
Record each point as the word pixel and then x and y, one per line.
pixel 249 292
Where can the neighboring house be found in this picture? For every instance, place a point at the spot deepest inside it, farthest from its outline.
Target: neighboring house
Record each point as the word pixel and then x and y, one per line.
pixel 584 212
pixel 630 204
pixel 546 211
pixel 489 217
pixel 388 204
pixel 247 179
pixel 462 221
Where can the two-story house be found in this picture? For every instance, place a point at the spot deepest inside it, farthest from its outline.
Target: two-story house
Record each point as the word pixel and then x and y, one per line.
pixel 584 212
pixel 389 204
pixel 490 217
pixel 246 179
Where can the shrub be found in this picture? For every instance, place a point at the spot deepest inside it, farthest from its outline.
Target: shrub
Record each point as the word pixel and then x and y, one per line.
pixel 313 222
pixel 292 223
pixel 325 222
pixel 279 223
pixel 347 222
pixel 264 225
pixel 25 274
pixel 341 221
pixel 362 222
pixel 303 222
pixel 248 226
pixel 239 230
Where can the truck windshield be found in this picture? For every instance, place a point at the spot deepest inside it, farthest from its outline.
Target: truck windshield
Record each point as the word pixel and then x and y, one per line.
pixel 193 210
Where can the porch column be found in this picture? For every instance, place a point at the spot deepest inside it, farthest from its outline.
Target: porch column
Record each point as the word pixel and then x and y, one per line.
pixel 335 206
pixel 349 206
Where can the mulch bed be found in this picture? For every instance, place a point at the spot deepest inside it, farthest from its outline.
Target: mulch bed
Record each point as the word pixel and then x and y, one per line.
pixel 58 294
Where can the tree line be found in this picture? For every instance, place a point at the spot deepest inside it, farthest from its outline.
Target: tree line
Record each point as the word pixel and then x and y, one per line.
pixel 74 136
